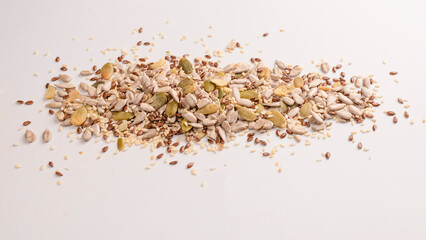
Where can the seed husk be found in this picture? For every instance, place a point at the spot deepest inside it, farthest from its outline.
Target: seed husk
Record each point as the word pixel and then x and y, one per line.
pixel 187 85
pixel 29 136
pixel 277 118
pixel 171 108
pixel 121 115
pixel 50 92
pixel 107 71
pixel 79 116
pixel 120 144
pixel 209 109
pixel 186 65
pixel 246 113
pixel 250 94
pixel 305 110
pixel 209 86
pixel 159 99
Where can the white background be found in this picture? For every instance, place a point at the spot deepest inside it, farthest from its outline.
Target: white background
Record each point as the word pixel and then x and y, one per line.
pixel 346 197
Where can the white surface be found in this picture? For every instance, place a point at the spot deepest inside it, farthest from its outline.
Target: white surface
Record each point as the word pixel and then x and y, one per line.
pixel 347 197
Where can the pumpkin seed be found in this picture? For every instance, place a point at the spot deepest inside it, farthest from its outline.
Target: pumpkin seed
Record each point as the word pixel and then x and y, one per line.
pixel 220 93
pixel 200 135
pixel 298 82
pixel 171 108
pixel 209 86
pixel 283 107
pixel 50 92
pixel 187 85
pixel 185 126
pixel 277 118
pixel 159 99
pixel 123 126
pixel 219 82
pixel 95 85
pixel 305 110
pixel 79 116
pixel 209 109
pixel 283 90
pixel 107 70
pixel 246 113
pixel 120 144
pixel 158 64
pixel 186 65
pixel 259 108
pixel 119 116
pixel 250 94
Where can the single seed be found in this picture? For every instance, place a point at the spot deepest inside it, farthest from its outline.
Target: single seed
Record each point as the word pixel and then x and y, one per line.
pixel 51 164
pixel 140 30
pixel 351 137
pixel 359 145
pixel 189 165
pixel 393 73
pixel 265 34
pixel 139 43
pixel 57 59
pixel 400 101
pixel 173 162
pixel 327 155
pixel 395 119
pixel 159 155
pixel 59 174
pixel 26 123
pixel 390 113
pixel 20 102
pixel 30 102
pixel 105 149
pixel 265 154
pixel 406 115
pixel 374 127
pixel 64 69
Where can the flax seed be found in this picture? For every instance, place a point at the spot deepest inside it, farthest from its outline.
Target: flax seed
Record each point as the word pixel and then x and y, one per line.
pixel 173 162
pixel 51 164
pixel 26 123
pixel 30 102
pixel 393 73
pixel 359 145
pixel 105 149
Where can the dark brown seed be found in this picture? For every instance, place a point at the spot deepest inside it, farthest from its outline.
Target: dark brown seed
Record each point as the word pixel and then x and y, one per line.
pixel 327 155
pixel 238 45
pixel 159 155
pixel 263 143
pixel 342 74
pixel 333 69
pixel 51 164
pixel 351 137
pixel 390 113
pixel 207 56
pixel 395 119
pixel 173 162
pixel 140 30
pixel 400 101
pixel 20 102
pixel 104 149
pixel 53 79
pixel 374 127
pixel 57 59
pixel 64 69
pixel 51 111
pixel 265 34
pixel 338 66
pixel 29 102
pixel 258 59
pixel 265 154
pixel 393 73
pixel 189 165
pixel 94 68
pixel 406 115
pixel 146 43
pixel 47 85
pixel 139 43
pixel 26 123
pixel 359 145
pixel 59 174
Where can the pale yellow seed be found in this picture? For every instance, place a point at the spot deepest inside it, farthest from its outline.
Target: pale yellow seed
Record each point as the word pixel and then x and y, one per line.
pixel 17 166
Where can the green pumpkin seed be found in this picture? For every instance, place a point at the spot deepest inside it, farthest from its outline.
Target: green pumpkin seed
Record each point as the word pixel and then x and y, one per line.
pixel 298 82
pixel 171 108
pixel 277 118
pixel 95 85
pixel 79 116
pixel 246 113
pixel 159 99
pixel 185 126
pixel 250 94
pixel 107 70
pixel 186 65
pixel 119 116
pixel 220 93
pixel 120 144
pixel 209 86
pixel 305 110
pixel 283 107
pixel 209 109
pixel 187 85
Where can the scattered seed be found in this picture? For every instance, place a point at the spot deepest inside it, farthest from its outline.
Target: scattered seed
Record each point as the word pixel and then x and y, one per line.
pixel 51 164
pixel 327 155
pixel 26 123
pixel 105 149
pixel 265 34
pixel 59 174
pixel 374 127
pixel 395 119
pixel 390 113
pixel 30 102
pixel 173 162
pixel 393 73
pixel 190 165
pixel 359 145
pixel 406 115
pixel 57 59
